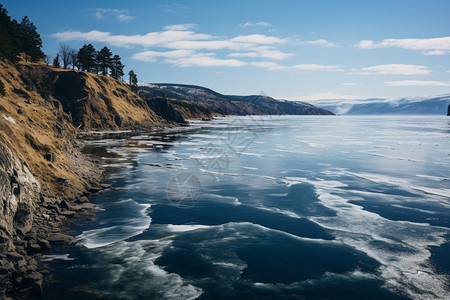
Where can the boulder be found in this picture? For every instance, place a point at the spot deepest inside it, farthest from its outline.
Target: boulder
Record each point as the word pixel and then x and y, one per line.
pixel 64 204
pixel 4 270
pixel 83 199
pixel 68 213
pixel 13 256
pixel 44 244
pixel 59 239
pixel 33 280
pixel 33 248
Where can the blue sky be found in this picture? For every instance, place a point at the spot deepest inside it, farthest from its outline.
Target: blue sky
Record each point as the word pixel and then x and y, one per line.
pixel 299 50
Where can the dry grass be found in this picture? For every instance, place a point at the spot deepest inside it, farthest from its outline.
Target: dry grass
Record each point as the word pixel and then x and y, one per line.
pixel 33 121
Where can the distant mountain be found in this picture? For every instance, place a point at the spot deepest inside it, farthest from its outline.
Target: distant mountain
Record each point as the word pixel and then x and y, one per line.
pixel 230 104
pixel 436 105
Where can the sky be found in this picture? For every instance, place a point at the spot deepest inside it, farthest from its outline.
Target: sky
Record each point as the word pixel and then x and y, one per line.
pixel 295 50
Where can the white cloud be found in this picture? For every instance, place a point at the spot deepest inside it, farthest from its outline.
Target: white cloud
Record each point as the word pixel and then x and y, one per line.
pixel 207 45
pixel 258 39
pixel 416 83
pixel 350 84
pixel 180 26
pixel 432 46
pixel 99 15
pixel 263 52
pixel 269 65
pixel 435 52
pixel 250 24
pixel 205 60
pixel 319 42
pixel 365 44
pixel 124 18
pixel 397 69
pixel 151 56
pixel 315 67
pixel 121 15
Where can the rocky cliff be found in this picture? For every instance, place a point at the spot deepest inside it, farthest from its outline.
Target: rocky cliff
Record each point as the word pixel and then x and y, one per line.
pixel 19 194
pixel 163 108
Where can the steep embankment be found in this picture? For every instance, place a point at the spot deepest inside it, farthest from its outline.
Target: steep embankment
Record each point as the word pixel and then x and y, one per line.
pixel 45 180
pixel 230 104
pixel 96 101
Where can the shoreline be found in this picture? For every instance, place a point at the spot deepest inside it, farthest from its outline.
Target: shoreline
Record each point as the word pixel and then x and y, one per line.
pixel 54 216
pixel 51 222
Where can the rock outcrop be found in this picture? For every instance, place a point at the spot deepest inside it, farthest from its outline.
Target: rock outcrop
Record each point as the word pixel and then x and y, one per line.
pixel 19 193
pixel 165 110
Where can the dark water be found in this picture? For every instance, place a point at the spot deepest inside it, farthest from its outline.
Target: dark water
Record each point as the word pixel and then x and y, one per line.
pixel 320 207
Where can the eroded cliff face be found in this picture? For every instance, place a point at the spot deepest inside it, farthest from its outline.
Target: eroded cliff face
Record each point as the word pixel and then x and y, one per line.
pixel 164 109
pixel 19 193
pixel 100 102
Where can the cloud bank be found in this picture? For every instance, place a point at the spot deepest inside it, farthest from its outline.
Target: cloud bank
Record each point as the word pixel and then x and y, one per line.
pixel 180 45
pixel 397 69
pixel 431 46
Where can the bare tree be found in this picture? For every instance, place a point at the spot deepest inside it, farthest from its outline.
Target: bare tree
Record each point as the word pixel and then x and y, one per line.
pixel 73 59
pixel 64 53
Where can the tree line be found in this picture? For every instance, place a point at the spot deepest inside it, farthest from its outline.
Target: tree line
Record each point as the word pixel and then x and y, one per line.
pixel 23 38
pixel 17 38
pixel 90 60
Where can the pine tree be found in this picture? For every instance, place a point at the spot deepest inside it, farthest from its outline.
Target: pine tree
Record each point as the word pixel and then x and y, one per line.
pixel 116 67
pixel 96 65
pixel 104 60
pixel 133 80
pixel 47 59
pixel 86 57
pixel 56 61
pixel 31 40
pixel 9 36
pixel 16 38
